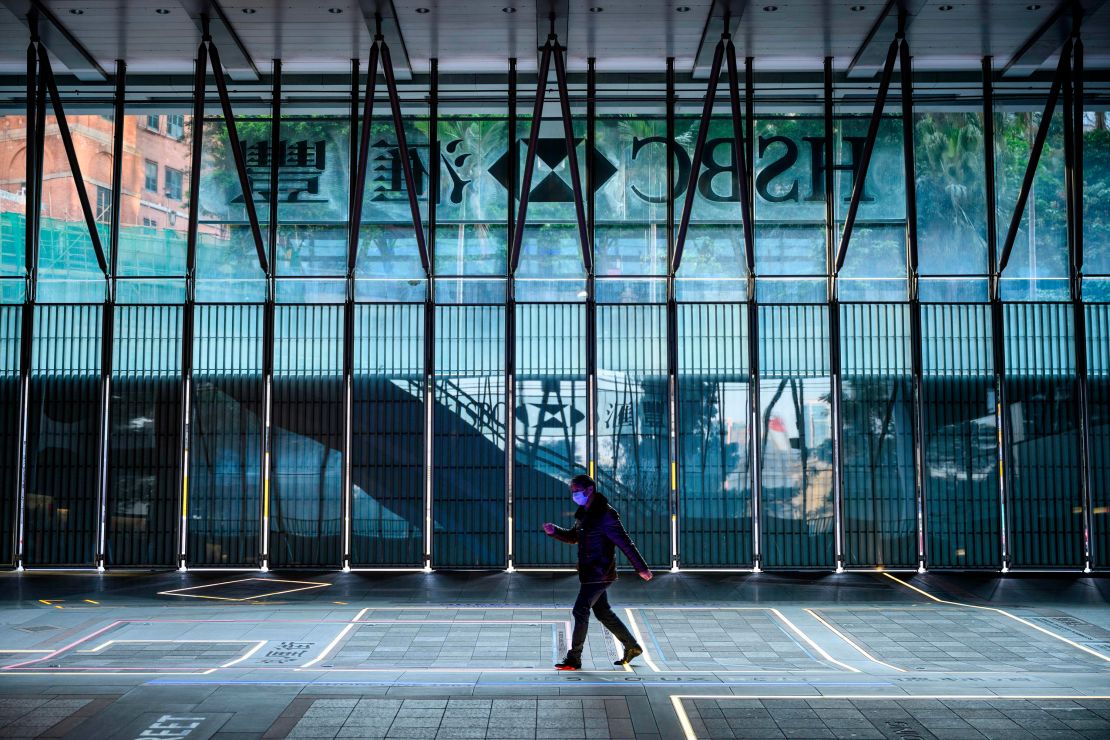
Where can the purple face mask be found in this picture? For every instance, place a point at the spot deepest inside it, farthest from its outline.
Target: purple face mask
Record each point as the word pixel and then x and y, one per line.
pixel 580 497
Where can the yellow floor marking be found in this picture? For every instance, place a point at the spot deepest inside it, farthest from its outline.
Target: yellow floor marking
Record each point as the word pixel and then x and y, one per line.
pixel 305 586
pixel 846 639
pixel 688 729
pixel 1004 613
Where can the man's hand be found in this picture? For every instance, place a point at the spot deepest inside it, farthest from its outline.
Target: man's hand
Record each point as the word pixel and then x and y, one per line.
pixel 549 528
pixel 646 575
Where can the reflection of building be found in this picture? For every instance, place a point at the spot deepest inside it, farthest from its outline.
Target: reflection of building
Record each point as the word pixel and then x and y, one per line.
pixel 154 181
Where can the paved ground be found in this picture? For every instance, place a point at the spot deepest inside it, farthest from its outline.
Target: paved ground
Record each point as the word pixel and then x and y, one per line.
pixel 247 655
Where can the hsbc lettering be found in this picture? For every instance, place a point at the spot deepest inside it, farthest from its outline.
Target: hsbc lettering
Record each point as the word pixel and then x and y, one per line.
pixel 777 179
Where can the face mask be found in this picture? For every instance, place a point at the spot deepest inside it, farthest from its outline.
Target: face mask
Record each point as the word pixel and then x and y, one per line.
pixel 580 497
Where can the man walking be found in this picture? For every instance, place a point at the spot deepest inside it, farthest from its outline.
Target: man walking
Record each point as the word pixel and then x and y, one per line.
pixel 597 529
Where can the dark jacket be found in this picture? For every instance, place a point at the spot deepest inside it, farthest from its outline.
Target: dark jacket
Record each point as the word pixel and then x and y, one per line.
pixel 596 531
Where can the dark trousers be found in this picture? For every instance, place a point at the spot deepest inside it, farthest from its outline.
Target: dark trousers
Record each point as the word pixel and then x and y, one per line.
pixel 592 596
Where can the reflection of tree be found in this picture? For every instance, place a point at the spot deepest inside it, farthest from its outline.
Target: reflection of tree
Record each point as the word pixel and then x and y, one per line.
pixel 951 192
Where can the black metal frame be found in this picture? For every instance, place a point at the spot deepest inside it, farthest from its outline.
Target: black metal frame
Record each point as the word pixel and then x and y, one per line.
pixel 998 346
pixel 725 48
pixel 550 50
pixel 1068 83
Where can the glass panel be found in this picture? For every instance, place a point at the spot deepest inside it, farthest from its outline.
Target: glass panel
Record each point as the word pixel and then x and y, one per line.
pixel 144 443
pixel 1098 408
pixel 951 205
pixel 225 453
pixel 154 207
pixel 1046 509
pixel 550 423
pixel 633 466
pixel 715 239
pixel 228 269
pixel 1096 204
pixel 473 199
pixel 387 242
pixel 68 269
pixel 10 331
pixel 795 443
pixel 306 432
pixel 387 439
pixel 962 517
pixel 1038 267
pixel 630 173
pixel 790 208
pixel 715 488
pixel 550 245
pixel 314 176
pixel 13 195
pixel 879 499
pixel 62 507
pixel 468 496
pixel 875 266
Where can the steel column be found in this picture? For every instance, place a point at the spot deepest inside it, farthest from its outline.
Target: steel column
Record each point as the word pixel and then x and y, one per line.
pixel 1073 146
pixel 108 321
pixel 349 321
pixel 510 339
pixel 754 462
pixel 188 318
pixel 998 345
pixel 905 73
pixel 510 355
pixel 591 275
pixel 32 210
pixel 672 328
pixel 833 302
pixel 269 309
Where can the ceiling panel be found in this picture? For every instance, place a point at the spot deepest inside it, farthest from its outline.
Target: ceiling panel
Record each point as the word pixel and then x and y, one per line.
pixel 321 36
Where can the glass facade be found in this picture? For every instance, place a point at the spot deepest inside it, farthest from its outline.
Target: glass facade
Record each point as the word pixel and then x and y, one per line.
pixel 230 409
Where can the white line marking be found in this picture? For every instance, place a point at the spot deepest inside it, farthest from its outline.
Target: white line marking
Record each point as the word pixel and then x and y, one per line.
pixel 813 644
pixel 640 639
pixel 1004 613
pixel 688 729
pixel 846 639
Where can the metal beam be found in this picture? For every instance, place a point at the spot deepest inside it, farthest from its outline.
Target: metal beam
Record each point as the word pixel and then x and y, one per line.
pixel 237 155
pixel 1035 156
pixel 896 16
pixel 212 21
pixel 724 15
pixel 552 18
pixel 572 157
pixel 58 39
pixel 1049 37
pixel 381 19
pixel 359 192
pixel 530 159
pixel 865 158
pixel 404 153
pixel 742 170
pixel 46 75
pixel 699 152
